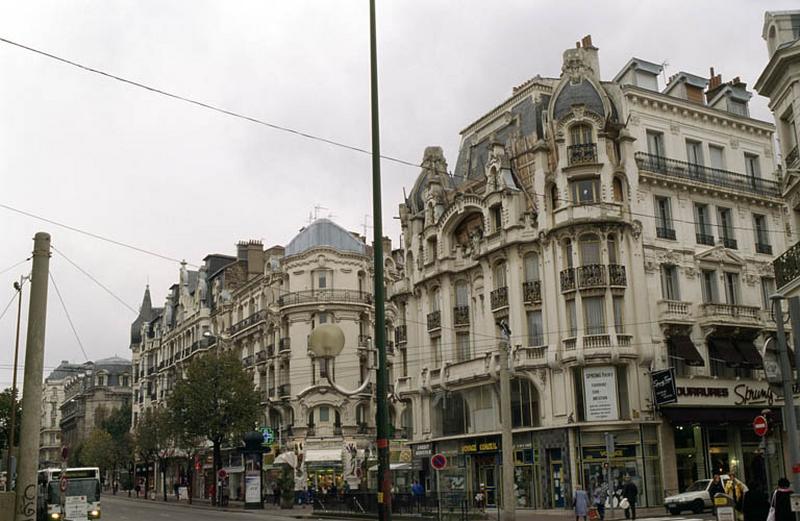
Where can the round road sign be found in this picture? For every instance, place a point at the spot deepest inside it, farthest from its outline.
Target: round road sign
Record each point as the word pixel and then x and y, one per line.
pixel 760 426
pixel 222 474
pixel 62 484
pixel 438 461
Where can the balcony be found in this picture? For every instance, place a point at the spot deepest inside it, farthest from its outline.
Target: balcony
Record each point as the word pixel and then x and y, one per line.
pixel 591 276
pixel 731 315
pixel 585 153
pixel 702 174
pixel 284 390
pixel 255 318
pixel 400 334
pixel 285 344
pixel 567 279
pixel 316 296
pixel 362 428
pixel 617 275
pixel 787 266
pixel 763 248
pixel 665 233
pixel 434 321
pixel 364 341
pixel 530 357
pixel 792 158
pixel 261 356
pixel 596 341
pixel 704 238
pixel 532 291
pixel 310 431
pixel 729 243
pixel 499 298
pixel 247 361
pixel 675 312
pixel 461 316
pixel 271 392
pixel 570 343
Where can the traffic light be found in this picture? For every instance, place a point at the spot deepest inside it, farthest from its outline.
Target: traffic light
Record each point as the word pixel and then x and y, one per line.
pixel 773 421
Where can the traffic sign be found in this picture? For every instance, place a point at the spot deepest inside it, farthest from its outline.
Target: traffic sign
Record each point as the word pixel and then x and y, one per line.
pixel 62 483
pixel 760 426
pixel 222 474
pixel 438 461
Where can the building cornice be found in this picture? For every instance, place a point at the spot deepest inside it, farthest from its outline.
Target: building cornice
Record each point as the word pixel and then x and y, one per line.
pixel 773 73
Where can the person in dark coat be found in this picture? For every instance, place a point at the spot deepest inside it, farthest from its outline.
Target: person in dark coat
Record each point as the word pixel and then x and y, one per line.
pixel 631 493
pixel 755 505
pixel 782 502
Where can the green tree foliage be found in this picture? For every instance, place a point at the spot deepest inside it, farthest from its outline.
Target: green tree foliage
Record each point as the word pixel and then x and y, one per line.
pixel 154 439
pixel 216 401
pixel 118 425
pixel 5 418
pixel 98 450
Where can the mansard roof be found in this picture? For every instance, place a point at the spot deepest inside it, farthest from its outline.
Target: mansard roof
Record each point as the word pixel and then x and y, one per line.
pixel 324 233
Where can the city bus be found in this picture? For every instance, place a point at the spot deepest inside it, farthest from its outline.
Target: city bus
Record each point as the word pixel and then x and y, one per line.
pixel 81 499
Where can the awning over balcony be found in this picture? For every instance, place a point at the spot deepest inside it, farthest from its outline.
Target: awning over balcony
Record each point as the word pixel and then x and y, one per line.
pixel 750 355
pixel 681 346
pixel 722 349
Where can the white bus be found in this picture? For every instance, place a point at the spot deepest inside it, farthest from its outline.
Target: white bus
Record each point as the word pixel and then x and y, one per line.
pixel 81 499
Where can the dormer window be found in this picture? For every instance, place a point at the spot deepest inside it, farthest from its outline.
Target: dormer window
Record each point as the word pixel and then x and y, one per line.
pixel 737 107
pixel 582 149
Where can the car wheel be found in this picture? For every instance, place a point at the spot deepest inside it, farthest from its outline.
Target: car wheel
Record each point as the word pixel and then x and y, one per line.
pixel 698 506
pixel 674 511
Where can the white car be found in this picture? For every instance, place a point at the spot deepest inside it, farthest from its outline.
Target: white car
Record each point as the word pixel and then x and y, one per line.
pixel 696 498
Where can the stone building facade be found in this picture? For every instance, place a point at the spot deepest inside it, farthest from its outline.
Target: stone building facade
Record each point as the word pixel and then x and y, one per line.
pixel 52 398
pixel 619 227
pixel 91 395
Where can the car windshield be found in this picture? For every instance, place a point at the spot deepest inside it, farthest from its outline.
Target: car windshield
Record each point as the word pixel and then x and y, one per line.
pixel 699 485
pixel 76 487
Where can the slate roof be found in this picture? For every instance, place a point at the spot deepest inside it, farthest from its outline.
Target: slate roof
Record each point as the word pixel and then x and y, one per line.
pixel 324 232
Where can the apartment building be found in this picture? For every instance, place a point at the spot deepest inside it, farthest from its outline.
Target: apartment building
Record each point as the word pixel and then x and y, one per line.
pixel 52 398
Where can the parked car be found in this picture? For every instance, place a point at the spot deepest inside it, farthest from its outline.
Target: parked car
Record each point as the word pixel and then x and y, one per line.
pixel 696 498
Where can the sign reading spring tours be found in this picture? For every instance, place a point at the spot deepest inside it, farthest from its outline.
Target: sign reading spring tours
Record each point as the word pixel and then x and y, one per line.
pixel 600 393
pixel 664 389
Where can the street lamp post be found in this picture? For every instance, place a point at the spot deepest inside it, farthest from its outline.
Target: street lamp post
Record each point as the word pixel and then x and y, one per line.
pixel 13 419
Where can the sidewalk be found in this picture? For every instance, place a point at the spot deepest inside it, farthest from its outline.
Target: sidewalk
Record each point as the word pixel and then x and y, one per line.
pixel 205 504
pixel 530 515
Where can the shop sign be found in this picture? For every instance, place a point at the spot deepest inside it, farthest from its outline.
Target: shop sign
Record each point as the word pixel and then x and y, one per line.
pixel 600 391
pixel 600 453
pixel 664 389
pixel 739 394
pixel 422 450
pixel 485 446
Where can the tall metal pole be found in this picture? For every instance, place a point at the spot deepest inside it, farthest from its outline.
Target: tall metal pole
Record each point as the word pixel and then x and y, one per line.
pixel 384 472
pixel 507 439
pixel 789 417
pixel 32 388
pixel 13 423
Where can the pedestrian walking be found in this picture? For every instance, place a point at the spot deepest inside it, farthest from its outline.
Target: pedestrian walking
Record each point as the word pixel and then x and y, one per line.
pixel 735 489
pixel 417 492
pixel 580 503
pixel 480 498
pixel 780 505
pixel 755 505
pixel 600 495
pixel 276 494
pixel 630 493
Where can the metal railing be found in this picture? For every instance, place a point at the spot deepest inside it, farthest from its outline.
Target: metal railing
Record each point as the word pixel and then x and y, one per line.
pixel 591 276
pixel 764 248
pixel 665 233
pixel 434 320
pixel 284 390
pixel 325 295
pixel 285 344
pixel 261 356
pixel 617 275
pixel 247 361
pixel 499 298
pixel 255 318
pixel 532 291
pixel 567 277
pixel 582 153
pixel 461 316
pixel 400 334
pixel 729 243
pixel 270 350
pixel 792 157
pixel 787 266
pixel 699 173
pixel 704 238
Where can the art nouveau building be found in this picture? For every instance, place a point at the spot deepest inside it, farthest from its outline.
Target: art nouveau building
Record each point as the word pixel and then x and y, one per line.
pixel 619 227
pixel 263 304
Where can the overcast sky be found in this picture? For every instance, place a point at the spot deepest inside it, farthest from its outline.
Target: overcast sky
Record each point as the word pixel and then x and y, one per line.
pixel 183 181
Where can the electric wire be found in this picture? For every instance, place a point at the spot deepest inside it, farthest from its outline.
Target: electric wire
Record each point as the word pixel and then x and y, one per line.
pixel 93 279
pixel 14 265
pixel 66 312
pixel 8 306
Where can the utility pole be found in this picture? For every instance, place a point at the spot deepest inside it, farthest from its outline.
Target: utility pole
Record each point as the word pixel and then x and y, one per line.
pixel 25 509
pixel 789 416
pixel 13 422
pixel 507 441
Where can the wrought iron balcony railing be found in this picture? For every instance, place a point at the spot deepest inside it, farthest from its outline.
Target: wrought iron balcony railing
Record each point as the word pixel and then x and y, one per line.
pixel 255 318
pixel 665 233
pixel 461 316
pixel 434 320
pixel 285 344
pixel 617 275
pixel 763 248
pixel 792 158
pixel 787 266
pixel 499 298
pixel 400 334
pixel 270 350
pixel 703 174
pixel 532 291
pixel 591 276
pixel 325 295
pixel 582 153
pixel 284 390
pixel 567 277
pixel 704 238
pixel 261 356
pixel 729 243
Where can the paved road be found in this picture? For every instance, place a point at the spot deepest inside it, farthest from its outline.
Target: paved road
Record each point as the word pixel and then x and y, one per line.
pixel 123 509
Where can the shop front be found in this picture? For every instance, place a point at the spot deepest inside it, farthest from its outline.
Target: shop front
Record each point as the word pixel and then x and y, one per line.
pixel 324 470
pixel 711 426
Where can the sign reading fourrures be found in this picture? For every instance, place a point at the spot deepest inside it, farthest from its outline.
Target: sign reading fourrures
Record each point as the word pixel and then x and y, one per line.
pixel 600 390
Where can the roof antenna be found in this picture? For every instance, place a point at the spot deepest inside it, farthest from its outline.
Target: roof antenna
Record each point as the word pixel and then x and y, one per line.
pixel 366 224
pixel 664 66
pixel 317 208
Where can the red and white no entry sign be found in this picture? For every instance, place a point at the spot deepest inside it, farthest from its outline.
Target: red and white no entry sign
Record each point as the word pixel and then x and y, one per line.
pixel 62 484
pixel 438 461
pixel 222 474
pixel 760 426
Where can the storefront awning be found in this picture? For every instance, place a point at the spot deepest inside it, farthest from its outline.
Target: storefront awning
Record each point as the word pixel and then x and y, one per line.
pixel 393 466
pixel 750 354
pixel 684 348
pixel 722 349
pixel 323 456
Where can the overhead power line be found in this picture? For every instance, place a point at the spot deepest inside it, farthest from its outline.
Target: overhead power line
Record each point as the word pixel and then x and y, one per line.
pixel 69 318
pixel 14 265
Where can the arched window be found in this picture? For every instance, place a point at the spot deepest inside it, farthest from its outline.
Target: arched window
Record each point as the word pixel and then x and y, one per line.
pixel 580 134
pixel 619 192
pixel 531 267
pixel 590 249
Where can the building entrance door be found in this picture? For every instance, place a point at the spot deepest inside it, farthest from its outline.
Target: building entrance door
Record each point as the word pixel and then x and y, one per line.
pixel 556 476
pixel 486 477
